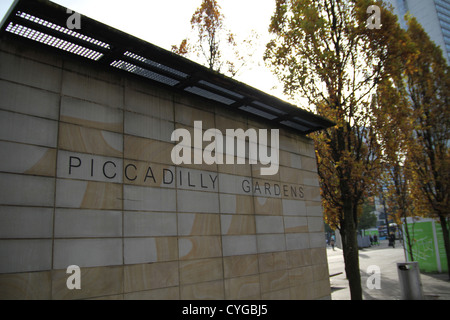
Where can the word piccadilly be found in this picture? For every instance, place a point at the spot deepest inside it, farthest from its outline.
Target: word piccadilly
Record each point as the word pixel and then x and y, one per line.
pixel 214 152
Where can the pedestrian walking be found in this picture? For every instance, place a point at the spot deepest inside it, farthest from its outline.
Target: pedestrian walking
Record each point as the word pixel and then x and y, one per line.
pixel 332 241
pixel 392 240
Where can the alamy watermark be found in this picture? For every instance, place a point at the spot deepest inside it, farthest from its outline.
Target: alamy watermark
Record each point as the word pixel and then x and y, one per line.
pixel 224 150
pixel 74 21
pixel 374 21
pixel 74 280
pixel 374 279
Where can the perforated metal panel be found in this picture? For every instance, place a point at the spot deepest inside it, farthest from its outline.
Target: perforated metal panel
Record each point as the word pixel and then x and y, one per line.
pixel 53 41
pixel 143 72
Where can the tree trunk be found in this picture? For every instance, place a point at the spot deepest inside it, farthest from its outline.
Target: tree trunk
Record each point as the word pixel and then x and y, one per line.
pixel 350 250
pixel 445 233
pixel 408 237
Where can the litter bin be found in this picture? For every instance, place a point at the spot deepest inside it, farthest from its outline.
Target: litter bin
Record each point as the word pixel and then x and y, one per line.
pixel 410 284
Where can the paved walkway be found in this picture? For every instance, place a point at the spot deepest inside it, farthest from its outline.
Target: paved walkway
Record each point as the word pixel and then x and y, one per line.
pixel 435 286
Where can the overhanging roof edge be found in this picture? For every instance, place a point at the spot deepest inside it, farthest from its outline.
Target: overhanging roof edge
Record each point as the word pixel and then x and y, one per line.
pixel 160 62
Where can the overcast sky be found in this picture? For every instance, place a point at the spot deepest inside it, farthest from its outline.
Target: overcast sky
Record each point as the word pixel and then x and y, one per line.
pixel 165 23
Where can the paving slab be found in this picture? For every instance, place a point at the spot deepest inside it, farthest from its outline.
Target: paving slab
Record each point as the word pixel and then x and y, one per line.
pixel 385 258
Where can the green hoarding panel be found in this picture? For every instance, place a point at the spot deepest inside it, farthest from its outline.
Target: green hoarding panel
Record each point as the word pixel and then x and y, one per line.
pixel 441 247
pixel 428 246
pixel 423 248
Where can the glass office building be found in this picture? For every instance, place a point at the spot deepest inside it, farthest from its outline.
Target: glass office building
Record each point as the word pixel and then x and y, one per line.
pixel 434 15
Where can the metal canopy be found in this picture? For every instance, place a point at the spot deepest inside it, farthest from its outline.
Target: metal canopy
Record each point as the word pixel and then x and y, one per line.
pixel 44 22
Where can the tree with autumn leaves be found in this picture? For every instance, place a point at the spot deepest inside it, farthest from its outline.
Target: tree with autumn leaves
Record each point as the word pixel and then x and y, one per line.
pixel 387 91
pixel 414 126
pixel 215 45
pixel 428 93
pixel 324 51
pixel 207 20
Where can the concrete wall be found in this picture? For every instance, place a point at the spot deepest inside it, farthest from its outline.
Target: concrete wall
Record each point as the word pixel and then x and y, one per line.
pixel 86 179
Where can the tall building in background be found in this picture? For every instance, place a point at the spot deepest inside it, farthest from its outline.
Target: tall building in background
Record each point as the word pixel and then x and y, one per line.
pixel 433 15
